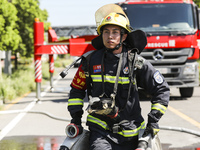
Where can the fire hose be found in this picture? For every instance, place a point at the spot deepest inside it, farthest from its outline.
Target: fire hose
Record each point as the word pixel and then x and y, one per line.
pixel 179 129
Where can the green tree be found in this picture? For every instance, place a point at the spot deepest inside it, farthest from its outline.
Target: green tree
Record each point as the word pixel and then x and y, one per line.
pixel 197 2
pixel 28 10
pixel 9 35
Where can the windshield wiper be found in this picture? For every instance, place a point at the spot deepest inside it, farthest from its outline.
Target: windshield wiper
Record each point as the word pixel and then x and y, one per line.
pixel 170 33
pixel 149 34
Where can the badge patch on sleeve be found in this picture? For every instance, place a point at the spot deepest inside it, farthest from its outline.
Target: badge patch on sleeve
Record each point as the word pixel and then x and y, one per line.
pixel 97 68
pixel 158 77
pixel 79 81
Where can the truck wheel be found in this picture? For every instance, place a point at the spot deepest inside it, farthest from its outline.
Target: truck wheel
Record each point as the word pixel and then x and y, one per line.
pixel 186 92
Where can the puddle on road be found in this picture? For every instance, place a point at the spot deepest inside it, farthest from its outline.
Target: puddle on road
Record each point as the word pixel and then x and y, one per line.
pixel 51 143
pixel 31 143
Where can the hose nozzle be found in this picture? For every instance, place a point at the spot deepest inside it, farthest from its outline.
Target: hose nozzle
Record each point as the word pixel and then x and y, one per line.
pixel 72 130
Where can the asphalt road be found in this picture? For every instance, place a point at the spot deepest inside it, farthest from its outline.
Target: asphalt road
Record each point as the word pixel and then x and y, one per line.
pixel 37 131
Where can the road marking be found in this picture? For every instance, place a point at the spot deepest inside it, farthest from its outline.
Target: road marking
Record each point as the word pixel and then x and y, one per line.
pixel 18 118
pixel 15 101
pixel 14 122
pixel 185 117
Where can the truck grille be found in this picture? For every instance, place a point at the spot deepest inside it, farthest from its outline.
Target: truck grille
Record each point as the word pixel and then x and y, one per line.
pixel 174 56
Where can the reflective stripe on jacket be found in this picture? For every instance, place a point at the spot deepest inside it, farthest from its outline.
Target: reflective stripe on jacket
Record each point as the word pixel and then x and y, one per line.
pixel 159 107
pixel 110 79
pixel 75 101
pixel 124 133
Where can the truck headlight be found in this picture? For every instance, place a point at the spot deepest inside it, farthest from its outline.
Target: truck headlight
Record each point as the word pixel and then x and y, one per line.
pixel 189 69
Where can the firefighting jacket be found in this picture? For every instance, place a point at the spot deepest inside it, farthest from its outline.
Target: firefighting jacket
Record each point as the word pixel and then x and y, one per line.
pixel 146 77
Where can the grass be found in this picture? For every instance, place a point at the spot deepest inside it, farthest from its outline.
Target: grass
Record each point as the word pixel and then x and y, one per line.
pixel 22 80
pixel 17 84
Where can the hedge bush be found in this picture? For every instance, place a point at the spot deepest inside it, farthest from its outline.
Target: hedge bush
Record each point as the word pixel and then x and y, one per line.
pixel 23 79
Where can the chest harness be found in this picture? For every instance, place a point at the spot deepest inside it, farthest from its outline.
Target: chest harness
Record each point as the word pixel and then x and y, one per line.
pixel 104 104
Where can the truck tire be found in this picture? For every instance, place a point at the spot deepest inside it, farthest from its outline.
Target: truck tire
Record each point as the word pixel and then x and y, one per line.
pixel 186 92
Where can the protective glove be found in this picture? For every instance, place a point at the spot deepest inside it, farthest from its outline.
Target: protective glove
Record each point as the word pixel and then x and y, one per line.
pixel 152 128
pixel 76 122
pixel 77 125
pixel 152 125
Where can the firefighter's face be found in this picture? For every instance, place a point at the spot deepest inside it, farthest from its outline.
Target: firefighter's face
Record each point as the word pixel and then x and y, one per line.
pixel 111 36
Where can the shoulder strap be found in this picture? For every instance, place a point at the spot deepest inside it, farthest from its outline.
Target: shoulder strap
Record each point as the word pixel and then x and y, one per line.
pixel 131 63
pixel 117 76
pixel 113 95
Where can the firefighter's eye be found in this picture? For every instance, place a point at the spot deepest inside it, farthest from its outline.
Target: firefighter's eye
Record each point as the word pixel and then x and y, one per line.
pixel 115 32
pixel 106 32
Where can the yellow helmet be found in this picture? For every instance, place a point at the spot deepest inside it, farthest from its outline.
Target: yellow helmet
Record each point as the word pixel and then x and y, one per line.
pixel 115 19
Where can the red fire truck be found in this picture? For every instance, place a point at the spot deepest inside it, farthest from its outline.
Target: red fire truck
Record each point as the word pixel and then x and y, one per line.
pixel 172 29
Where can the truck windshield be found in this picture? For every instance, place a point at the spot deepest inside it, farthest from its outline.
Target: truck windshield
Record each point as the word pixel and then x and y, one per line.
pixel 160 17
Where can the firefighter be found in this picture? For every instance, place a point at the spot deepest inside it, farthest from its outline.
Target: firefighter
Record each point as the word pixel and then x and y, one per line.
pixel 112 79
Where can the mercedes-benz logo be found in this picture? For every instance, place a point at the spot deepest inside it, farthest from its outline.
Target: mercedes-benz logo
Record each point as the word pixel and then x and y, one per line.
pixel 158 54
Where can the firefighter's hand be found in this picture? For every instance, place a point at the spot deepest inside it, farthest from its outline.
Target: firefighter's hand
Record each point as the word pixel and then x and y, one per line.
pixel 76 122
pixel 152 128
pixel 79 128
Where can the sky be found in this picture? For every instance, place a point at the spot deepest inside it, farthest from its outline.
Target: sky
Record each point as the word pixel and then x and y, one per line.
pixel 73 12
